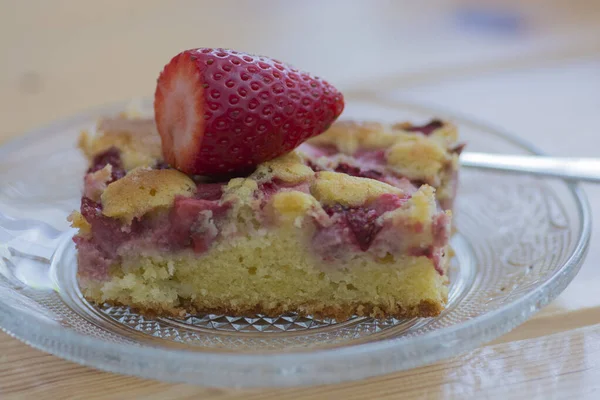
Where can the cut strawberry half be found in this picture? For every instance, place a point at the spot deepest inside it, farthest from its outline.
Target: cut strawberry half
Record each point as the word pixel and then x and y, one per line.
pixel 178 104
pixel 221 112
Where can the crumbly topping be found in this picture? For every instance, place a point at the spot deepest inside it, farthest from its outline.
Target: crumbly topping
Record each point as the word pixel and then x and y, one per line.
pixel 446 133
pixel 350 136
pixel 136 138
pixel 242 188
pixel 418 156
pixel 289 168
pixel 337 188
pixel 293 204
pixel 406 151
pixel 143 190
pixel 421 206
pixel 96 182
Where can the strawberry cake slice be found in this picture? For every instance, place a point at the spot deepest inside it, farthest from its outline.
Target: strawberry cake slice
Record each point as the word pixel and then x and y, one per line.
pixel 174 220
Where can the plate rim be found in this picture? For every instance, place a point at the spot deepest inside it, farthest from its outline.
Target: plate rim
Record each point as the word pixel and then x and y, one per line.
pixel 298 368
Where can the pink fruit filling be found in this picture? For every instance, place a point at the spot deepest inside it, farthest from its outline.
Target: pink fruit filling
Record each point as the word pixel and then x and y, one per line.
pixel 192 223
pixel 357 171
pixel 362 229
pixel 110 156
pixel 267 189
pixel 209 191
pixel 373 157
pixel 361 221
pixel 428 128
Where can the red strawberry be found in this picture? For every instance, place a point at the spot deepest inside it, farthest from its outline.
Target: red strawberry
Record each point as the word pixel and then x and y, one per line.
pixel 220 111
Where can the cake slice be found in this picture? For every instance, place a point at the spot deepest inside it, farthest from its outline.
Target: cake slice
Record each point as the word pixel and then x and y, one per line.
pixel 355 221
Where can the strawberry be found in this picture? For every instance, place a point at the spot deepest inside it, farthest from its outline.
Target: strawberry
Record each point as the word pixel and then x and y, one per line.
pixel 221 112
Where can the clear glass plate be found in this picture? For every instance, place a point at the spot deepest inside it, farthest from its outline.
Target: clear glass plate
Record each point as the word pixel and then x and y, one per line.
pixel 520 241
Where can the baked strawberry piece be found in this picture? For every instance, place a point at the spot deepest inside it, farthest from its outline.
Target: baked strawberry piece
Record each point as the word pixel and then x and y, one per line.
pixel 222 205
pixel 392 153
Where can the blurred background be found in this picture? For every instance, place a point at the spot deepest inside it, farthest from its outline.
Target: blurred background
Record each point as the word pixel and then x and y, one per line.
pixel 61 56
pixel 531 67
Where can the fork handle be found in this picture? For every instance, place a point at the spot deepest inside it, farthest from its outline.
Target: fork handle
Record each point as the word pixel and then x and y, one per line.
pixel 582 169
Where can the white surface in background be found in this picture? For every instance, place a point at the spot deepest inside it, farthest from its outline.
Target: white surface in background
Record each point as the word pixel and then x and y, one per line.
pixel 63 56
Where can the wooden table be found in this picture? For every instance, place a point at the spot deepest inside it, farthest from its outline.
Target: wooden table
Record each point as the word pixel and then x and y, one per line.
pixel 541 80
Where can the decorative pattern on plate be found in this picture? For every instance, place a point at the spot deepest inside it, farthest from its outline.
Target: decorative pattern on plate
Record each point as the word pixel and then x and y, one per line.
pixel 520 241
pixel 509 260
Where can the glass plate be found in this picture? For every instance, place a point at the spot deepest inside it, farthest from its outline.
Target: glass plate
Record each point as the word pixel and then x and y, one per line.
pixel 520 241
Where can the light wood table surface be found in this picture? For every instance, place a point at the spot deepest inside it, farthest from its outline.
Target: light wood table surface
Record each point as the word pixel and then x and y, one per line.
pixel 541 81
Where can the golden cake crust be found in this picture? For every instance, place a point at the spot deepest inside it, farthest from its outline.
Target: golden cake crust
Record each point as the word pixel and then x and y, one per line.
pixel 338 188
pixel 425 309
pixel 293 204
pixel 408 153
pixel 143 190
pixel 350 136
pixel 289 168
